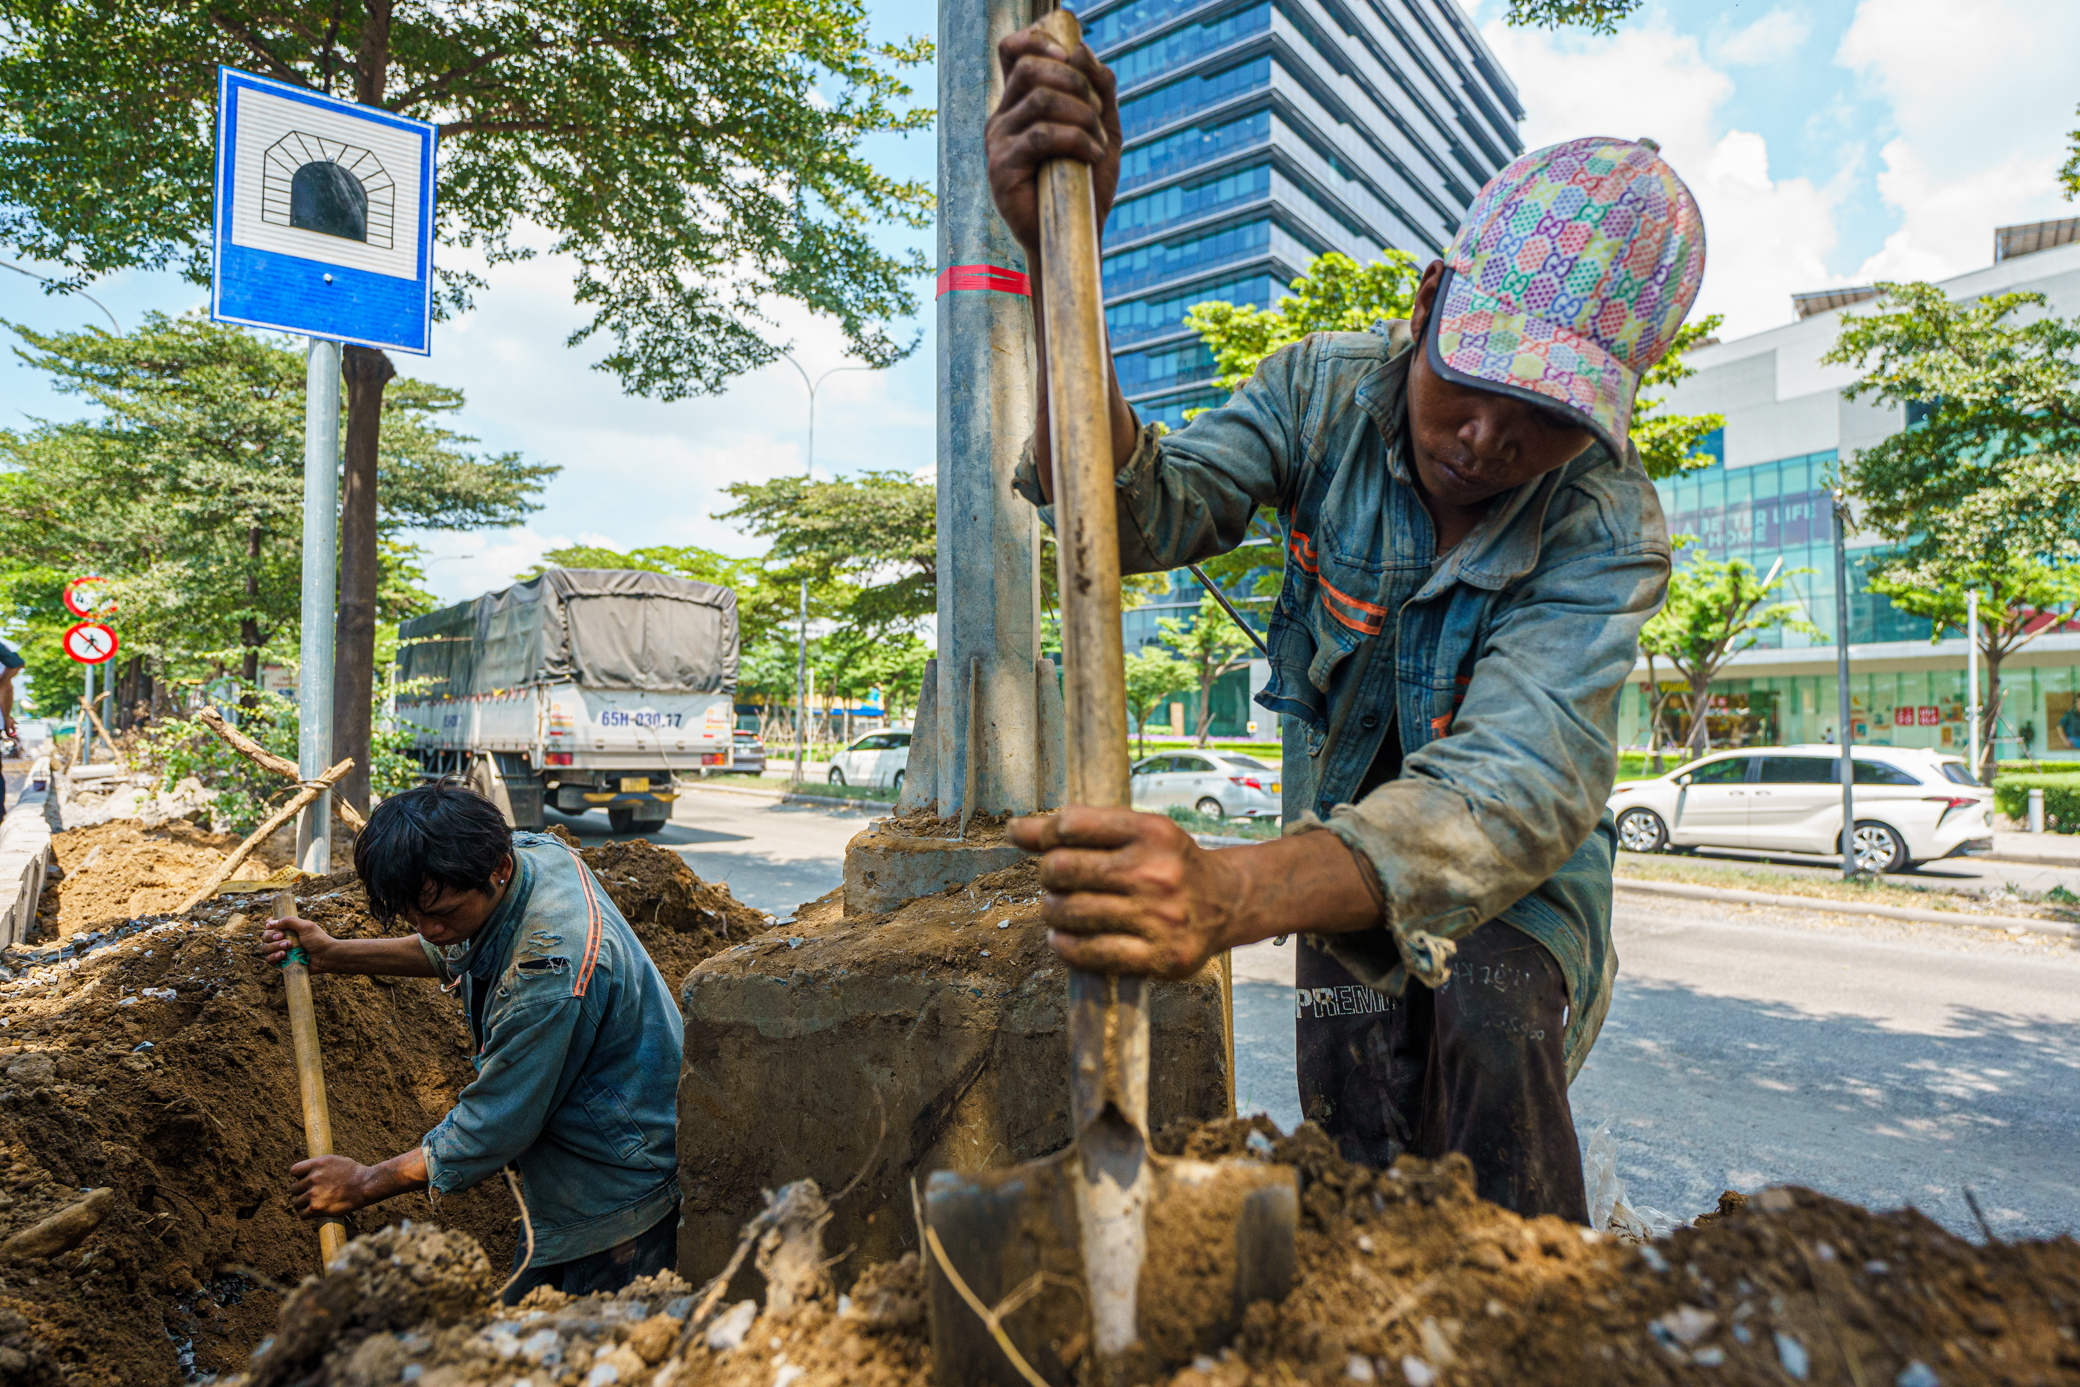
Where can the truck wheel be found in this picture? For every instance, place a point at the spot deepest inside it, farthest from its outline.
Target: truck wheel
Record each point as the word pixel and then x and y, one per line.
pixel 621 818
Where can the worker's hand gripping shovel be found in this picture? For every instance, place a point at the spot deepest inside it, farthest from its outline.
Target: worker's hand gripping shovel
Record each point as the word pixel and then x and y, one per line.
pixel 1104 1249
pixel 310 1069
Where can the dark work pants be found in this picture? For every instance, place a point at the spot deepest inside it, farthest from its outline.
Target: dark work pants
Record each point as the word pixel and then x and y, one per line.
pixel 1476 1066
pixel 649 1252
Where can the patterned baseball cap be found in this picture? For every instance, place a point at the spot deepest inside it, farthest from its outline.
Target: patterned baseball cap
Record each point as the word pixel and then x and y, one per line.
pixel 1568 279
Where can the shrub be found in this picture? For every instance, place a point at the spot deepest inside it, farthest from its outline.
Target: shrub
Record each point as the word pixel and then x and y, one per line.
pixel 2061 799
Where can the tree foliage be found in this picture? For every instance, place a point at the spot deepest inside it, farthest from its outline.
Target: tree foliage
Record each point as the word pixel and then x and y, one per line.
pixel 1337 294
pixel 185 490
pixel 1715 610
pixel 874 534
pixel 1211 646
pixel 1671 444
pixel 1992 466
pixel 695 160
pixel 2021 598
pixel 1154 675
pixel 1597 16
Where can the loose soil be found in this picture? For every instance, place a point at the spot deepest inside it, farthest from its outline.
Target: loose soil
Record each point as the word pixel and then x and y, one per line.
pixel 1404 1276
pixel 152 1055
pixel 116 871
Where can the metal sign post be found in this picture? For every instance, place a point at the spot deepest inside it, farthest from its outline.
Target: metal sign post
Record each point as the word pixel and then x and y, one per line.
pixel 91 644
pixel 324 227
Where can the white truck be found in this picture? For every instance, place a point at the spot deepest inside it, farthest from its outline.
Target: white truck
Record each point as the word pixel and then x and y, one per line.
pixel 582 689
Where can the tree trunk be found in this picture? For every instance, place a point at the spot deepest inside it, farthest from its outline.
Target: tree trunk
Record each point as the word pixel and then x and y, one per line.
pixel 1700 739
pixel 1206 683
pixel 366 372
pixel 249 628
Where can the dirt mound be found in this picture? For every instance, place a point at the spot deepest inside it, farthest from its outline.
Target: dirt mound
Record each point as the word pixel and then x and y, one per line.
pixel 115 871
pixel 153 1056
pixel 1407 1276
pixel 680 918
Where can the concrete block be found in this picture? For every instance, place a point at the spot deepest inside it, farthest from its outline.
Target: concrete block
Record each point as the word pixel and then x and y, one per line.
pixel 921 771
pixel 884 868
pixel 25 863
pixel 835 1048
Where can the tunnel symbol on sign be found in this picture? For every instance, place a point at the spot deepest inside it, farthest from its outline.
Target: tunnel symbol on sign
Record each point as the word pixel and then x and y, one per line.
pixel 334 189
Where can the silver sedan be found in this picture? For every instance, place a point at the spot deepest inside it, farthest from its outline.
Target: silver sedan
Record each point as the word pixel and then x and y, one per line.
pixel 1219 784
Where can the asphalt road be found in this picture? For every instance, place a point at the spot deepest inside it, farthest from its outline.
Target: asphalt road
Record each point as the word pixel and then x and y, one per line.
pixel 1885 1063
pixel 1949 874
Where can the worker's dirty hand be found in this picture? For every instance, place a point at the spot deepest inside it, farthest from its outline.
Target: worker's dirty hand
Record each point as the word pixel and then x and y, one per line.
pixel 1056 106
pixel 328 1186
pixel 279 935
pixel 1128 892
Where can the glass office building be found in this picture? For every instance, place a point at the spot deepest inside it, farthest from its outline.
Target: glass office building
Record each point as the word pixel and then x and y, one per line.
pixel 1264 133
pixel 1765 499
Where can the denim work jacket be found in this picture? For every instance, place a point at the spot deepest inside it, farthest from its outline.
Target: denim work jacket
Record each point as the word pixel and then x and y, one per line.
pixel 577 1060
pixel 1498 664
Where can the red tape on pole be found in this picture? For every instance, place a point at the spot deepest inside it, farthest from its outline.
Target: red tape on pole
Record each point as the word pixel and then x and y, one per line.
pixel 1004 281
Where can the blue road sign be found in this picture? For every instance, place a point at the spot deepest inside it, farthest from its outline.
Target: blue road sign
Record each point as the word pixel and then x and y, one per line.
pixel 324 216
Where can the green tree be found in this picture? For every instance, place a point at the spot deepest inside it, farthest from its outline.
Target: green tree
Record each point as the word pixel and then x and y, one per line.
pixel 1989 464
pixel 1715 610
pixel 1211 646
pixel 873 536
pixel 1671 444
pixel 185 490
pixel 696 162
pixel 1597 16
pixel 1337 294
pixel 2018 597
pixel 1153 676
pixel 2069 175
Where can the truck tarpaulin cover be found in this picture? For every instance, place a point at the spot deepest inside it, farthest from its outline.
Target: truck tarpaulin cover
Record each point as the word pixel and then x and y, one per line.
pixel 600 628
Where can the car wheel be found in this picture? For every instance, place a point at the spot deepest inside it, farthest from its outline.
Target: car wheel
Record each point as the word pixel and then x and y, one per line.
pixel 1641 830
pixel 1878 848
pixel 1211 808
pixel 837 776
pixel 897 784
pixel 621 818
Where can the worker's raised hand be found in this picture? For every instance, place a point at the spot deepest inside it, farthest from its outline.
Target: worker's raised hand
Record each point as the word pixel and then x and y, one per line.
pixel 1129 892
pixel 276 939
pixel 1056 106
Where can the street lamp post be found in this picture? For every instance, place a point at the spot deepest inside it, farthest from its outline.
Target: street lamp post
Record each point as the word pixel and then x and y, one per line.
pixel 1841 664
pixel 801 652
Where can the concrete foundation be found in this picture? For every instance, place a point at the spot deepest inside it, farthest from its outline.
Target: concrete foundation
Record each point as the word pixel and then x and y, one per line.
pixel 884 869
pixel 830 1047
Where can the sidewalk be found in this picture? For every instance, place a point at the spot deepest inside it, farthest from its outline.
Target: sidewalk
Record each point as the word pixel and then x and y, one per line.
pixel 2037 849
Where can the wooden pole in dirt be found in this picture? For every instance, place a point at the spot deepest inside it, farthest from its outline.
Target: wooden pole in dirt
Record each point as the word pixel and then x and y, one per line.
pixel 310 1070
pixel 261 834
pixel 260 756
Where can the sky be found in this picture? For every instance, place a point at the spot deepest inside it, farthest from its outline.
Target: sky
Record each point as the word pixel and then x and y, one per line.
pixel 1828 143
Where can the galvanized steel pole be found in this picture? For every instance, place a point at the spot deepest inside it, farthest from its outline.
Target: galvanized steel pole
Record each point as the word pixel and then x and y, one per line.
pixel 1971 672
pixel 320 597
pixel 987 539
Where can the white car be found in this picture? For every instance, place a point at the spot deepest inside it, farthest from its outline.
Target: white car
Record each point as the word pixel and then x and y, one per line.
pixel 1913 804
pixel 876 761
pixel 1219 784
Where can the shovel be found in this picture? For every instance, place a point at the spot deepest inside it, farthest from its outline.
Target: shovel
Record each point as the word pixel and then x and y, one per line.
pixel 1104 1250
pixel 310 1070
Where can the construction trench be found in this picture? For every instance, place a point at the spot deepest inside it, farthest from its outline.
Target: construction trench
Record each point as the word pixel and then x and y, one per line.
pixel 148 1054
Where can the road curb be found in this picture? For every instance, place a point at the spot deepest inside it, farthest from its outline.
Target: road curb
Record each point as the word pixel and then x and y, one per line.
pixel 2026 859
pixel 1890 912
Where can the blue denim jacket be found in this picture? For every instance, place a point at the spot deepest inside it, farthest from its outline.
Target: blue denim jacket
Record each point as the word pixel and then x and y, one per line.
pixel 1499 664
pixel 577 1060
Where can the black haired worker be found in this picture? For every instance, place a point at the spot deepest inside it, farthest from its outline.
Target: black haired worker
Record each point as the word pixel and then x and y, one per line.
pixel 576 1037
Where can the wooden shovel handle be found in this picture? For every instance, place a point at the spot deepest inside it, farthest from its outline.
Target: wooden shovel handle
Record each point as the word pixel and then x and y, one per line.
pixel 310 1069
pixel 1079 417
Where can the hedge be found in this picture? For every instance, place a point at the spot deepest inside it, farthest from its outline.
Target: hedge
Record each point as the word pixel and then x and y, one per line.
pixel 2061 799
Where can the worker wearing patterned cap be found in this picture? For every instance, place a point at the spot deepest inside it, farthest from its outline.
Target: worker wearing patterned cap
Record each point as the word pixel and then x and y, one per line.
pixel 1471 549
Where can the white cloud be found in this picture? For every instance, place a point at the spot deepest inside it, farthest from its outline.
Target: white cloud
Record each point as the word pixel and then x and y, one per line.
pixel 1770 39
pixel 1981 97
pixel 1767 237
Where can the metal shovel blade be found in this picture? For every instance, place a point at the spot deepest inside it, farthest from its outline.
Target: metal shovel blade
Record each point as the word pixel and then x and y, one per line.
pixel 1220 1235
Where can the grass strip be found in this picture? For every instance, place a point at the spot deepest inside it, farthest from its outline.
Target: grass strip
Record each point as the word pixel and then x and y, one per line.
pixel 1863 890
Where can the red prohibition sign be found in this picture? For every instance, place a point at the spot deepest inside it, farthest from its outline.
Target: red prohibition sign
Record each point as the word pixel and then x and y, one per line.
pixel 88 596
pixel 90 643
